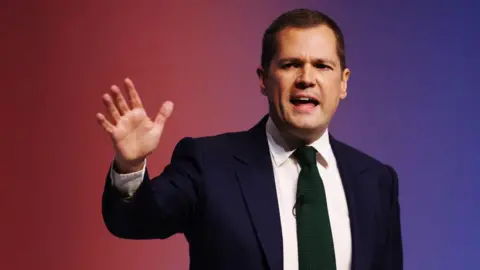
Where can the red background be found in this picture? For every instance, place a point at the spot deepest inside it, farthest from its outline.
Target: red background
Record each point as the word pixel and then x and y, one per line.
pixel 58 59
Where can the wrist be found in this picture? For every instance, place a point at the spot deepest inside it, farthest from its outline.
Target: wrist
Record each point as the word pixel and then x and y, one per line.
pixel 123 167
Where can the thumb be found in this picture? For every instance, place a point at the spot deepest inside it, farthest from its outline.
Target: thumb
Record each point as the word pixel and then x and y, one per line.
pixel 164 112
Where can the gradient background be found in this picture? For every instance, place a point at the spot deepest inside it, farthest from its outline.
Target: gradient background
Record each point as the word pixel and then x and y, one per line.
pixel 412 103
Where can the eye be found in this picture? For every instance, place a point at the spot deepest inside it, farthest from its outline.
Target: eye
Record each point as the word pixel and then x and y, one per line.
pixel 291 65
pixel 322 66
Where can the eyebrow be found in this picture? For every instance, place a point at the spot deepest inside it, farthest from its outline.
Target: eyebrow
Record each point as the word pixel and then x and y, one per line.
pixel 282 61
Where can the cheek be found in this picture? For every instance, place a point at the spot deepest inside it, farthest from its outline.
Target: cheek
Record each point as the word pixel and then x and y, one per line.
pixel 279 90
pixel 331 89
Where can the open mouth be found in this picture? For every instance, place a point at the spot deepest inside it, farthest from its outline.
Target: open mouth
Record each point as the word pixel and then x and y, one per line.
pixel 298 101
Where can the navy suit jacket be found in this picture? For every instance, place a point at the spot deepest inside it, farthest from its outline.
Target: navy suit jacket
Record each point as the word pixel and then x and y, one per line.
pixel 219 191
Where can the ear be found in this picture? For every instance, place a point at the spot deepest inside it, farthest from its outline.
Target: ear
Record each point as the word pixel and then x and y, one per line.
pixel 344 83
pixel 261 78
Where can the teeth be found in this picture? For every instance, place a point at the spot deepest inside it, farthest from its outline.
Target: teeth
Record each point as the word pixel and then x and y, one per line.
pixel 304 99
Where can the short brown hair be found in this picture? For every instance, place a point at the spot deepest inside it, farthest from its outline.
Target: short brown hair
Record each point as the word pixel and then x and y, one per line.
pixel 299 18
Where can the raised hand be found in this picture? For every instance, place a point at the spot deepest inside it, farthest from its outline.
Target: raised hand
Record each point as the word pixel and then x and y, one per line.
pixel 133 133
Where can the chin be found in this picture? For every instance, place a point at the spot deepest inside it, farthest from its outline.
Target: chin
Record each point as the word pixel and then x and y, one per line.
pixel 306 127
pixel 307 121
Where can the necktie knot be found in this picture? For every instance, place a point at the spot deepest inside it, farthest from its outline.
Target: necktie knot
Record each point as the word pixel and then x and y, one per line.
pixel 306 156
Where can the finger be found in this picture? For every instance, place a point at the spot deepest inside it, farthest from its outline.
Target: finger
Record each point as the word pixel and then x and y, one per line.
pixel 107 126
pixel 164 112
pixel 112 109
pixel 133 94
pixel 119 100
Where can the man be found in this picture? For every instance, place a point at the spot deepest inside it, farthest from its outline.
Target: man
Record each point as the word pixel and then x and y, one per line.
pixel 282 195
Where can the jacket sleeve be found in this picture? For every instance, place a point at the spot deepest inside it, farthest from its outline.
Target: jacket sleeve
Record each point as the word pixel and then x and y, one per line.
pixel 393 251
pixel 161 206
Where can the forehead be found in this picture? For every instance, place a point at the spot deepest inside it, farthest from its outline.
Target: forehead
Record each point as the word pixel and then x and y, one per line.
pixel 314 42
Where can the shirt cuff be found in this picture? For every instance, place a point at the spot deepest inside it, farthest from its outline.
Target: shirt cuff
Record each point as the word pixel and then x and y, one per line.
pixel 127 183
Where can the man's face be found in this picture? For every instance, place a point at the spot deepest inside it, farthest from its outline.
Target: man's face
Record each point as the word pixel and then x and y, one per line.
pixel 304 83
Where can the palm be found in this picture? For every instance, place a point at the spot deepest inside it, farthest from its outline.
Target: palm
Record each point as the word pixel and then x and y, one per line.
pixel 134 134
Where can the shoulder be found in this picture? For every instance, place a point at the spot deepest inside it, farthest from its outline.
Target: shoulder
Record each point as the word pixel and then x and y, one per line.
pixel 354 153
pixel 213 145
pixel 364 160
pixel 379 176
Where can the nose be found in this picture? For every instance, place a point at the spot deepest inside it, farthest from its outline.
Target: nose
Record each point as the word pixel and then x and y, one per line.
pixel 305 78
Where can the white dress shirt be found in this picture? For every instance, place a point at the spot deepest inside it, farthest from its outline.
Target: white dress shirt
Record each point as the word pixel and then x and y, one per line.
pixel 286 172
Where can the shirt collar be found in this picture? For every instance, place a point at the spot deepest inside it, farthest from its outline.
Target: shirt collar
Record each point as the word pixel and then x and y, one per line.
pixel 281 153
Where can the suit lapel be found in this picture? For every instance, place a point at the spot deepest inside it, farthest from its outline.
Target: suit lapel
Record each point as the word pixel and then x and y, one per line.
pixel 255 176
pixel 256 179
pixel 352 171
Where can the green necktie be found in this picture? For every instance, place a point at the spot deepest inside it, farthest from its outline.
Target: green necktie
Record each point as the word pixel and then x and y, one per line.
pixel 314 236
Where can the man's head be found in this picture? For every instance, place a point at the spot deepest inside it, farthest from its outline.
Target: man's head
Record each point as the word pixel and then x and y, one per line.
pixel 303 72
